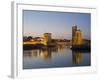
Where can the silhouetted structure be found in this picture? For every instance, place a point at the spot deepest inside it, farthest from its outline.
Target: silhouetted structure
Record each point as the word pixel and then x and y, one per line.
pixel 77 40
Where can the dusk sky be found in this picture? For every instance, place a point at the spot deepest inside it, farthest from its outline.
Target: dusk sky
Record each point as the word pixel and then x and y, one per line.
pixel 36 23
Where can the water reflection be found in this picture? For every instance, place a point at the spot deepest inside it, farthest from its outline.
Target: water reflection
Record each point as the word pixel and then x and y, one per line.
pixel 43 53
pixel 60 56
pixel 61 47
pixel 77 57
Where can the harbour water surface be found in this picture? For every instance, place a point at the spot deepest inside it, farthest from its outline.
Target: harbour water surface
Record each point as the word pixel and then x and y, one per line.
pixel 54 57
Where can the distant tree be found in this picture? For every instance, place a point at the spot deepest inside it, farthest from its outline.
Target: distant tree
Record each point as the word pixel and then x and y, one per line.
pixel 29 38
pixel 25 38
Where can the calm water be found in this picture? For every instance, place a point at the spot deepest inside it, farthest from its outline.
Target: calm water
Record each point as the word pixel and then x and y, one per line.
pixel 55 57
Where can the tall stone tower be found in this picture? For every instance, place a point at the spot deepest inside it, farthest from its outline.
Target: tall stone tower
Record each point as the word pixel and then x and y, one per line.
pixel 76 36
pixel 74 29
pixel 47 37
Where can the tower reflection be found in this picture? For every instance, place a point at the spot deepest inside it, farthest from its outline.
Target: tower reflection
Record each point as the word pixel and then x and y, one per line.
pixel 77 57
pixel 42 53
pixel 45 54
pixel 61 47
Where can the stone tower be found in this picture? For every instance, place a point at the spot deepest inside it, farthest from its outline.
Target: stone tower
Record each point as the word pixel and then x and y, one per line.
pixel 47 37
pixel 76 36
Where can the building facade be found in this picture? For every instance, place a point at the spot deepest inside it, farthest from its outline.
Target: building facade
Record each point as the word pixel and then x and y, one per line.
pixel 47 37
pixel 76 36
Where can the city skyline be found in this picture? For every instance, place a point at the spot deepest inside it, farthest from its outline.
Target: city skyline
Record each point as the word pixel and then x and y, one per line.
pixel 36 23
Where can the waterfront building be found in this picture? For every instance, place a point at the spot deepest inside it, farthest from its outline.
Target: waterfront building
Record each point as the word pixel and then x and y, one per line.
pixel 76 36
pixel 47 37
